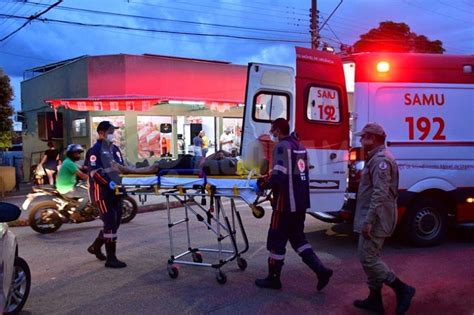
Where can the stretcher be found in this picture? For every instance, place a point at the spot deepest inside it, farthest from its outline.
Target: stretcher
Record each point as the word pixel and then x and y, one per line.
pixel 202 197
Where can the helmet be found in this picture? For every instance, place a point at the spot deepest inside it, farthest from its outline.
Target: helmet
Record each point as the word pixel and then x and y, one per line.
pixel 74 148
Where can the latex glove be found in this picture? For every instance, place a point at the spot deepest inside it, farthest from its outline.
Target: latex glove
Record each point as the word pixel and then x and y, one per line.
pixel 112 185
pixel 255 187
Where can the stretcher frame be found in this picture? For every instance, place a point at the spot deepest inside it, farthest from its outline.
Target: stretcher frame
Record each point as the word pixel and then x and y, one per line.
pixel 223 223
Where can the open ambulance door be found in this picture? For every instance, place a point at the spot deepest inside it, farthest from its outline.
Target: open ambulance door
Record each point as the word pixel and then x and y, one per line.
pixel 322 124
pixel 269 95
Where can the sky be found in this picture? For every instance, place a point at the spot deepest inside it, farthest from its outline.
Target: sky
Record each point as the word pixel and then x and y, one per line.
pixel 239 31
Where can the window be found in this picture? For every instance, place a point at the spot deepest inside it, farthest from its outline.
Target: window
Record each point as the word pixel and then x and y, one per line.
pixel 119 134
pixel 154 136
pixel 79 128
pixel 269 106
pixel 323 105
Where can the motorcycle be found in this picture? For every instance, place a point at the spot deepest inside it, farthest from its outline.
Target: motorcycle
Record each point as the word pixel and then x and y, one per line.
pixel 48 215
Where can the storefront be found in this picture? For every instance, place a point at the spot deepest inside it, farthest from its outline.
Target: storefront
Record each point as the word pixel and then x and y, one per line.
pixel 159 104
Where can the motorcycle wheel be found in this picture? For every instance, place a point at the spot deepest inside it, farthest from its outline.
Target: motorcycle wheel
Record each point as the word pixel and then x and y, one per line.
pixel 129 209
pixel 44 217
pixel 20 287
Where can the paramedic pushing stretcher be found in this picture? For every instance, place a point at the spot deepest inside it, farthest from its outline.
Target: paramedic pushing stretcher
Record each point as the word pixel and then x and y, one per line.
pixel 289 181
pixel 105 163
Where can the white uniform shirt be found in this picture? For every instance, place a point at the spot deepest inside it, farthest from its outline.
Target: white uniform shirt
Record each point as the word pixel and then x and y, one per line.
pixel 227 146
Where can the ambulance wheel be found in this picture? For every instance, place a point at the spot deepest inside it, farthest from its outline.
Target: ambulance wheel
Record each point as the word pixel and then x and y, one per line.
pixel 197 257
pixel 173 271
pixel 258 212
pixel 242 263
pixel 221 277
pixel 426 222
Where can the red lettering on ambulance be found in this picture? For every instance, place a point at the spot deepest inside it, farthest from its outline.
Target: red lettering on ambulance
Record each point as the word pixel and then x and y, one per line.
pixel 424 99
pixel 327 94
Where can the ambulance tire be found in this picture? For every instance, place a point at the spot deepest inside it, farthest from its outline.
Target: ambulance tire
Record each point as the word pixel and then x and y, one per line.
pixel 426 222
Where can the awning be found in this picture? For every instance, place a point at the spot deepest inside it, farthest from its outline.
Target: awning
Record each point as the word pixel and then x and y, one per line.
pixel 138 104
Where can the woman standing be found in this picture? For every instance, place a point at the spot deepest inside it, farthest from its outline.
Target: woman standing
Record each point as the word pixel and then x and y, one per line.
pixel 50 162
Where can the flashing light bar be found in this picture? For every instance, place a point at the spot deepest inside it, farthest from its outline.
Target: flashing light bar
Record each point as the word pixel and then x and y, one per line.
pixel 383 66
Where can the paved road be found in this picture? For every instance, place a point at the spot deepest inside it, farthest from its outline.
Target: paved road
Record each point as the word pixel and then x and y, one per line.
pixel 68 280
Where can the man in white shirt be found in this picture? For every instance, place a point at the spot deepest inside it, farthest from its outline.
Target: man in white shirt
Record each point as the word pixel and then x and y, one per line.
pixel 226 140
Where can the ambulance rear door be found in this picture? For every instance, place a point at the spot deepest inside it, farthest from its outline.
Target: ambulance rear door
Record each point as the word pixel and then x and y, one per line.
pixel 322 124
pixel 269 95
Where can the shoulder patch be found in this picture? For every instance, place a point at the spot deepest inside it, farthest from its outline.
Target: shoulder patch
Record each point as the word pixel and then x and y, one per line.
pixel 383 165
pixel 93 158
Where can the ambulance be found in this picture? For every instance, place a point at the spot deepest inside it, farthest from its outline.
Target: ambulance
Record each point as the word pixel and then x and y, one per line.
pixel 425 102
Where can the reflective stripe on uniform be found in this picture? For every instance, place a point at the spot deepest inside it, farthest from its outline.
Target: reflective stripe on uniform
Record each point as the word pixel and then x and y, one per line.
pixel 303 248
pixel 280 168
pixel 290 183
pixel 276 256
pixel 110 235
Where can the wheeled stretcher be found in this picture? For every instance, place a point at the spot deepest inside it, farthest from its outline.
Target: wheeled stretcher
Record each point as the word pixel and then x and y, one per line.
pixel 202 197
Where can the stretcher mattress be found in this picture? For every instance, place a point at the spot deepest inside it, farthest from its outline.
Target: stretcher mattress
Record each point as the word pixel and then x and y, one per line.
pixel 224 186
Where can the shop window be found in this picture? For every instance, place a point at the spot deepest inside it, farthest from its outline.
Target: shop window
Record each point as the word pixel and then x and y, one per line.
pixel 119 134
pixel 323 105
pixel 155 134
pixel 79 128
pixel 268 106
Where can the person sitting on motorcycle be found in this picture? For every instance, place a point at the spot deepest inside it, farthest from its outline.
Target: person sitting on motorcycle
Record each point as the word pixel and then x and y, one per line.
pixel 67 178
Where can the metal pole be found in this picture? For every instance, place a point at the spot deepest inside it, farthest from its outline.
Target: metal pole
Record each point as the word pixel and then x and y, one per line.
pixel 314 25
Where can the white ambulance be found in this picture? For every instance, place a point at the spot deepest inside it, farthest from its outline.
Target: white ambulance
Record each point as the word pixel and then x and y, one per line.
pixel 425 102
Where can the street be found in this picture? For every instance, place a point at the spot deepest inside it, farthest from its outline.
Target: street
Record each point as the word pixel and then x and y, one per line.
pixel 68 280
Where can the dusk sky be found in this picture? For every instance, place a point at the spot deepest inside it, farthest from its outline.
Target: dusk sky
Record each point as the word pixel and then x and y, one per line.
pixel 284 22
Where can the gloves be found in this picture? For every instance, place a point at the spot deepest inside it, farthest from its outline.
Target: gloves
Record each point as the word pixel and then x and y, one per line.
pixel 112 185
pixel 255 186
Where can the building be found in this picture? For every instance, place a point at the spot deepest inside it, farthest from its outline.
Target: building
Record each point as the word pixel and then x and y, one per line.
pixel 152 98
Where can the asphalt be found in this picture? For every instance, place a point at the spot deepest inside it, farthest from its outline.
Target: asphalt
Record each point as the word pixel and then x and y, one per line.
pixel 68 280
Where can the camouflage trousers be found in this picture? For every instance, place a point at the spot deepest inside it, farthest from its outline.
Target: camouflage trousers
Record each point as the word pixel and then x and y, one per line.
pixel 376 270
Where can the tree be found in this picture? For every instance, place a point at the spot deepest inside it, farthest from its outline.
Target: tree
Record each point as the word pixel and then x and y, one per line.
pixel 6 111
pixel 396 37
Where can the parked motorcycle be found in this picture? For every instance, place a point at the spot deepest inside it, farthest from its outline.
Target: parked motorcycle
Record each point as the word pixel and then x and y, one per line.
pixel 48 215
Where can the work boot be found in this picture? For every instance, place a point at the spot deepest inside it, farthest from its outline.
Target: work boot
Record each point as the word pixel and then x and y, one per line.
pixel 313 262
pixel 95 248
pixel 272 281
pixel 112 261
pixel 372 303
pixel 405 294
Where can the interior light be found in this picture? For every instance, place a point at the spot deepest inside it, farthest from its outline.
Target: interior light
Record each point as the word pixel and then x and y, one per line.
pixel 470 200
pixel 383 66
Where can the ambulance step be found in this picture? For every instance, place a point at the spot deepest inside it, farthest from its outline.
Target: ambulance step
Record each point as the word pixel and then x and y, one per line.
pixel 330 217
pixel 467 225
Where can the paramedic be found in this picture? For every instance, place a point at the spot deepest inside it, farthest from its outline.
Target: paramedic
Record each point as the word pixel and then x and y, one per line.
pixel 375 219
pixel 290 184
pixel 105 163
pixel 226 140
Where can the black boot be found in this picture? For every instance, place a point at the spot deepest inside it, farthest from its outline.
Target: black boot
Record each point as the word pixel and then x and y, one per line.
pixel 94 249
pixel 323 273
pixel 112 261
pixel 404 294
pixel 272 281
pixel 372 303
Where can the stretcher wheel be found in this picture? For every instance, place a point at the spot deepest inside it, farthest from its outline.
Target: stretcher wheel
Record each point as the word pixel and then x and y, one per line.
pixel 197 257
pixel 221 277
pixel 173 271
pixel 258 212
pixel 242 263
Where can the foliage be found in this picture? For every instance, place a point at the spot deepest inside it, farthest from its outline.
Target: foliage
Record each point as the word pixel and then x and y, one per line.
pixel 396 37
pixel 6 111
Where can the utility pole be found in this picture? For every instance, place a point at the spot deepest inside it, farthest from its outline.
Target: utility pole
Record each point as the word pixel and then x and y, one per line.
pixel 314 25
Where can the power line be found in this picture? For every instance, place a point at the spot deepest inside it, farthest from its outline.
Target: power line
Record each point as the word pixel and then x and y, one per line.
pixel 64 8
pixel 29 19
pixel 161 31
pixel 221 15
pixel 266 8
